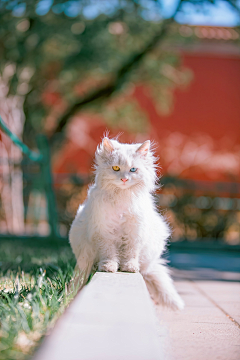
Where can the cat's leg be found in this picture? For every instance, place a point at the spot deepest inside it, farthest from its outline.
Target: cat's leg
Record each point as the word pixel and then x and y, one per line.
pixel 130 265
pixel 83 250
pixel 129 251
pixel 108 259
pixel 107 265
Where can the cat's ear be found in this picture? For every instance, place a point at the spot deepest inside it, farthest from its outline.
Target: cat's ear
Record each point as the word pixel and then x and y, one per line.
pixel 143 149
pixel 107 145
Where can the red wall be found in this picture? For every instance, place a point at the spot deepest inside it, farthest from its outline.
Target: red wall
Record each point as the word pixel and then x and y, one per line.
pixel 206 119
pixel 206 116
pixel 211 103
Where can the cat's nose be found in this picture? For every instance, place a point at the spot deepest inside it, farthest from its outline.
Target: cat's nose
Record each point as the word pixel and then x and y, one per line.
pixel 124 180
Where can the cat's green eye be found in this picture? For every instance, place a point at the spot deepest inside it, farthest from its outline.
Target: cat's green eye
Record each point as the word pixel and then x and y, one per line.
pixel 116 168
pixel 133 169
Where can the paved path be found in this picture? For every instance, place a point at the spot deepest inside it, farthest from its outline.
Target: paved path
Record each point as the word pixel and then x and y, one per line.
pixel 208 328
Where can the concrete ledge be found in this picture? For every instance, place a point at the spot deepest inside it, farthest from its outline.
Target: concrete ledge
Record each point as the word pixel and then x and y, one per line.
pixel 112 318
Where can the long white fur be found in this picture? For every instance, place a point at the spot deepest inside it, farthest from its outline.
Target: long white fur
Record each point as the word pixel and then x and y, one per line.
pixel 118 226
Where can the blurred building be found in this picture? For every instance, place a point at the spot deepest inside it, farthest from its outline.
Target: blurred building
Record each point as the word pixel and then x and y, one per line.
pixel 199 136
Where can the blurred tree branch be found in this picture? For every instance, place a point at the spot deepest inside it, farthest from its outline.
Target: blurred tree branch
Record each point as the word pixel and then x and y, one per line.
pixel 234 4
pixel 58 63
pixel 121 75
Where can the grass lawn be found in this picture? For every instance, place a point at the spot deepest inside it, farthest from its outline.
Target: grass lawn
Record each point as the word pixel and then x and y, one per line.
pixel 33 292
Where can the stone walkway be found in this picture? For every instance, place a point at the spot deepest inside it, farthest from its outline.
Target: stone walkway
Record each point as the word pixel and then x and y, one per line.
pixel 208 328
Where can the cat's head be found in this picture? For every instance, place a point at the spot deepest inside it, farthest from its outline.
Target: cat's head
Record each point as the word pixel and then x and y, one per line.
pixel 125 166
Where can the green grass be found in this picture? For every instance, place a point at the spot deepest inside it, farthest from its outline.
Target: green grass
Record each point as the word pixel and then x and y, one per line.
pixel 33 292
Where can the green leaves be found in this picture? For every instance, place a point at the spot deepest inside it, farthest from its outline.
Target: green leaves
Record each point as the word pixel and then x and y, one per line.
pixel 63 50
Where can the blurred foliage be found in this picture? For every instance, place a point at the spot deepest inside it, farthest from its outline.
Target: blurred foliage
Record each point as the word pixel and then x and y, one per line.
pixel 53 52
pixel 196 215
pixel 192 215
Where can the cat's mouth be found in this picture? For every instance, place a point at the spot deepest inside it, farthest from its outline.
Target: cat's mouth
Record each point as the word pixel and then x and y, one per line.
pixel 125 185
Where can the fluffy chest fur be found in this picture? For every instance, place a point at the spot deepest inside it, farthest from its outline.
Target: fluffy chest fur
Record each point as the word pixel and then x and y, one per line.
pixel 117 213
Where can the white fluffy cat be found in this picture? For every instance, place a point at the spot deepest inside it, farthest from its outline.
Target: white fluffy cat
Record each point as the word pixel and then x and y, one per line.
pixel 118 226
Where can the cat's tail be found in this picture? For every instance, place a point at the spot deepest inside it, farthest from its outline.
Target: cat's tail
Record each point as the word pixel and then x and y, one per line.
pixel 160 286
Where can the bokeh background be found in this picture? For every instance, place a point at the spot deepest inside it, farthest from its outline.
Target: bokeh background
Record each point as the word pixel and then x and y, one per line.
pixel 168 71
pixel 70 71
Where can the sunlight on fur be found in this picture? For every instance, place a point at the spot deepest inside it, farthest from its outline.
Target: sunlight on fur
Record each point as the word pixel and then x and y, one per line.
pixel 118 227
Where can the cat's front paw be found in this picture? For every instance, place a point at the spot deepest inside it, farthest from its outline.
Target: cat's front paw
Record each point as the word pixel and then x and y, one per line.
pixel 108 266
pixel 130 266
